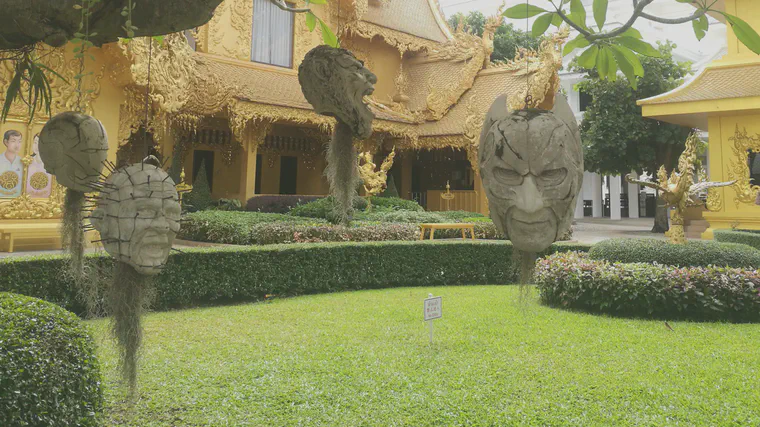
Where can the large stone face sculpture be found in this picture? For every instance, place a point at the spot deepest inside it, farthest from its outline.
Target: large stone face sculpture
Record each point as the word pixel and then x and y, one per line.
pixel 335 84
pixel 531 163
pixel 73 147
pixel 138 215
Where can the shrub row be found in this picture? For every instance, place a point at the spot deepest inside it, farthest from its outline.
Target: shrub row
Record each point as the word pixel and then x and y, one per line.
pixel 575 280
pixel 249 228
pixel 49 375
pixel 745 237
pixel 694 253
pixel 213 275
pixel 277 203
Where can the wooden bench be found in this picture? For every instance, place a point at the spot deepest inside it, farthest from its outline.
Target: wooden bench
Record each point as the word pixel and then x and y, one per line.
pixel 40 229
pixel 433 227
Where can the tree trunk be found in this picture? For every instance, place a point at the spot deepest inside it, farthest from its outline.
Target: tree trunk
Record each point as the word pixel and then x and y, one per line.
pixel 660 217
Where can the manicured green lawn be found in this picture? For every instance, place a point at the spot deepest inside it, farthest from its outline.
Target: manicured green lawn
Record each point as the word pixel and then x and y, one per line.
pixel 363 358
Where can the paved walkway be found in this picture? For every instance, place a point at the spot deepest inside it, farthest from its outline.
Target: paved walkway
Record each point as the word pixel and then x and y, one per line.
pixel 594 230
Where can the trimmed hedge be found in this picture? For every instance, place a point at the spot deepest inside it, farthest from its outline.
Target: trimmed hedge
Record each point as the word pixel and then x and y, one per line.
pixel 396 203
pixel 251 228
pixel 49 375
pixel 324 208
pixel 215 275
pixel 575 280
pixel 233 227
pixel 694 253
pixel 278 203
pixel 745 237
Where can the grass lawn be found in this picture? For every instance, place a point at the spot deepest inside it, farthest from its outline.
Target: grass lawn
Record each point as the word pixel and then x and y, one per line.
pixel 363 359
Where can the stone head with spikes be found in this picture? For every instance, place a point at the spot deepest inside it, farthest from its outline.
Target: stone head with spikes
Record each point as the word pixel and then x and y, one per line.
pixel 73 147
pixel 137 215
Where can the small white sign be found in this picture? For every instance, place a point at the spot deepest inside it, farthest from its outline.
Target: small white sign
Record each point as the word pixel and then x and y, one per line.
pixel 433 308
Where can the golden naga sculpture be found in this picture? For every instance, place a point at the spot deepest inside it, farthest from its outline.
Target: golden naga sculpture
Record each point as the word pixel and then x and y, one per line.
pixel 679 191
pixel 375 182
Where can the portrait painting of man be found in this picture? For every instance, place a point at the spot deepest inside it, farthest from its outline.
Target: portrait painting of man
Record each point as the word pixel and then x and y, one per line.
pixel 11 168
pixel 38 182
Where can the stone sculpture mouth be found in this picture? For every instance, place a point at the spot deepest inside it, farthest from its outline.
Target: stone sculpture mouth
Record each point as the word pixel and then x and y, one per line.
pixel 365 94
pixel 155 244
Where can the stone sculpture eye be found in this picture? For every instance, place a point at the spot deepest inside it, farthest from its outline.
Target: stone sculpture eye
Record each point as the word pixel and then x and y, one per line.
pixel 553 177
pixel 508 176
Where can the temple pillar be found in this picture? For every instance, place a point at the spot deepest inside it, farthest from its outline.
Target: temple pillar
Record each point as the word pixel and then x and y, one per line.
pixel 405 190
pixel 633 198
pixel 596 195
pixel 615 189
pixel 247 173
pixel 579 206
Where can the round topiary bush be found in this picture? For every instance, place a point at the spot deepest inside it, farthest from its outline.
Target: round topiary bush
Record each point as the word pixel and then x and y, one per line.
pixel 49 375
pixel 573 280
pixel 694 253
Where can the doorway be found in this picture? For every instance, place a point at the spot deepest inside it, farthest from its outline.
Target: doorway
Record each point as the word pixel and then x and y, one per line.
pixel 205 158
pixel 288 174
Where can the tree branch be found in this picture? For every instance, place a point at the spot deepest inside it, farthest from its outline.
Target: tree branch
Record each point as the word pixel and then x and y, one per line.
pixel 698 14
pixel 637 11
pixel 282 5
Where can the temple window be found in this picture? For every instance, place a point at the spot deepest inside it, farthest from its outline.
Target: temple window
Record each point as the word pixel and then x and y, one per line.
pixel 272 41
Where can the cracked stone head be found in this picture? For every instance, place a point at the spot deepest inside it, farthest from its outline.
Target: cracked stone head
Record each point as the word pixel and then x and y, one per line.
pixel 531 163
pixel 138 215
pixel 335 83
pixel 73 147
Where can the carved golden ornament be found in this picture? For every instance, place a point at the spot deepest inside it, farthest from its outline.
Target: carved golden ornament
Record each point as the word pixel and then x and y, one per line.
pixel 25 207
pixel 215 30
pixel 540 69
pixel 172 68
pixel 302 40
pixel 489 33
pixel 714 200
pixel 183 187
pixel 374 182
pixel 241 18
pixel 739 167
pixel 64 91
pixel 679 190
pixel 9 180
pixel 442 96
pixel 39 180
pixel 473 123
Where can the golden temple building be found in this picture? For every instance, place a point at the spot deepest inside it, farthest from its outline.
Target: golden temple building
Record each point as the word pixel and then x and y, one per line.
pixel 226 97
pixel 724 100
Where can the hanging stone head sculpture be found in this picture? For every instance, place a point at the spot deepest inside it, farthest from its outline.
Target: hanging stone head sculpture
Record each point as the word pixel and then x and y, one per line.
pixel 531 162
pixel 335 83
pixel 73 147
pixel 138 215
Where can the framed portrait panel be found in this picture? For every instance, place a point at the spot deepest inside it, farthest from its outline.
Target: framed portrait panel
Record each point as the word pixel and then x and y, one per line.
pixel 27 191
pixel 38 183
pixel 14 134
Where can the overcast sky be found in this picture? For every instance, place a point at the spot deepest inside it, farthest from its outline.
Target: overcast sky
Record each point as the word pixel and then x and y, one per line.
pixel 689 48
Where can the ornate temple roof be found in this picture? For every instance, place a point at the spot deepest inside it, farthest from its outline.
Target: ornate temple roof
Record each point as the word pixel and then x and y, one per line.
pixel 428 22
pixel 444 88
pixel 725 83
